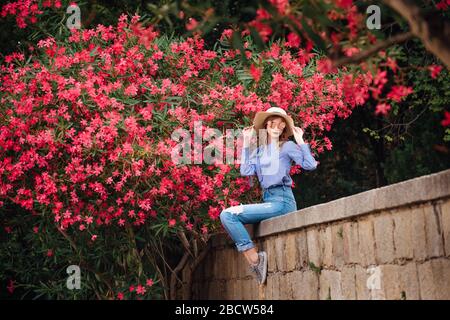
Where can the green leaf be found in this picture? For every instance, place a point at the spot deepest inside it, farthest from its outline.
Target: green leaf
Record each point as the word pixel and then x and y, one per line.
pixel 257 39
pixel 93 52
pixel 314 37
pixel 237 43
pixel 319 15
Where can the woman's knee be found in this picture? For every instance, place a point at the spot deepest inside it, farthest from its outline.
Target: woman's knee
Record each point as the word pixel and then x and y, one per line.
pixel 224 215
pixel 230 211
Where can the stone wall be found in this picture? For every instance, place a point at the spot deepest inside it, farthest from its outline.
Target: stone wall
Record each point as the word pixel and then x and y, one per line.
pixel 387 243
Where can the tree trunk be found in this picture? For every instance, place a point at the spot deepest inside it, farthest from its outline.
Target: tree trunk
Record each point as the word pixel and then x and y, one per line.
pixel 430 28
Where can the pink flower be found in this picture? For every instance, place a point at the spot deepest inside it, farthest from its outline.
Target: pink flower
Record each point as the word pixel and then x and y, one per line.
pixel 399 92
pixel 446 121
pixel 443 5
pixel 351 51
pixel 145 35
pixel 120 296
pixel 214 212
pixel 140 290
pixel 94 237
pixel 293 40
pixel 263 29
pixel 226 34
pixel 434 70
pixel 192 24
pixel 382 108
pixel 281 5
pixel 149 282
pixel 131 90
pixel 172 222
pixel 10 286
pixel 325 65
pixel 392 64
pixel 49 253
pixel 255 72
pixel 344 3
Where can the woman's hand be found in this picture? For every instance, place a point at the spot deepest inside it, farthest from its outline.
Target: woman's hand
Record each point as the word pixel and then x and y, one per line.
pixel 248 132
pixel 298 135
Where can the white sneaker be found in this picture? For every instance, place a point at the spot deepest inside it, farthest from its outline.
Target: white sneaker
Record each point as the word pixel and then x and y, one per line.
pixel 261 268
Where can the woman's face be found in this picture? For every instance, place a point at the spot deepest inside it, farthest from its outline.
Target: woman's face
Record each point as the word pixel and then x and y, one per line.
pixel 275 127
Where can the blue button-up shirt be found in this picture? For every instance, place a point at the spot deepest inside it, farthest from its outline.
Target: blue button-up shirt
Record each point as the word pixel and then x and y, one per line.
pixel 263 162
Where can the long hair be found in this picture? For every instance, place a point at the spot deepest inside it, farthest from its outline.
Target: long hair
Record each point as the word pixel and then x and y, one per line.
pixel 262 140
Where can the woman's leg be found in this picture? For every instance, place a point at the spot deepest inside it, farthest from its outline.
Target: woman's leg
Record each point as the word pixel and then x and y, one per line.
pixel 234 218
pixel 252 256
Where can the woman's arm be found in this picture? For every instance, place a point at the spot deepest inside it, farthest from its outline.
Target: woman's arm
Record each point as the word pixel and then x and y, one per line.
pixel 248 164
pixel 301 154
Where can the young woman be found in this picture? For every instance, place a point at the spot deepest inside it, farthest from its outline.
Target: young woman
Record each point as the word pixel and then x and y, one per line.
pixel 271 163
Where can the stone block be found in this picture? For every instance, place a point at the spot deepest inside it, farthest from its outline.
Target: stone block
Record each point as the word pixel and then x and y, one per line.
pixel 348 283
pixel 418 234
pixel 403 233
pixel 409 282
pixel 350 234
pixel 434 279
pixel 302 249
pixel 305 285
pixel 361 276
pixel 286 286
pixel 445 212
pixel 280 253
pixel 271 254
pixel 337 243
pixel 433 230
pixel 326 246
pixel 391 282
pixel 366 245
pixel 330 285
pixel 291 252
pixel 384 238
pixel 314 247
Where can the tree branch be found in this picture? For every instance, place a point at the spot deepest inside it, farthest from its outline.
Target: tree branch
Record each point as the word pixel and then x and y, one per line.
pixel 430 28
pixel 357 58
pixel 187 290
pixel 173 278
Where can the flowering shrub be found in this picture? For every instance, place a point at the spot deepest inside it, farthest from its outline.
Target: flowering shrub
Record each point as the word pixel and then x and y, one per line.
pixel 28 11
pixel 87 174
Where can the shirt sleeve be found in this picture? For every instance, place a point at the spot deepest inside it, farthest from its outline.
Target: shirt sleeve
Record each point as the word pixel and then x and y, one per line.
pixel 301 154
pixel 248 163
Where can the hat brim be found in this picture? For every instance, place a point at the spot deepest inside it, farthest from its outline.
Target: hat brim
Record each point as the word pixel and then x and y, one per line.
pixel 261 116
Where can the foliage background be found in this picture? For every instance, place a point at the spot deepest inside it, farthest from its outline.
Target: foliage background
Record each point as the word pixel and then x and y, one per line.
pixel 369 151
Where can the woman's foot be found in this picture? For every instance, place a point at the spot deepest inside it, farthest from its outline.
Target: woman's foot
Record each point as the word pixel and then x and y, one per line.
pixel 260 268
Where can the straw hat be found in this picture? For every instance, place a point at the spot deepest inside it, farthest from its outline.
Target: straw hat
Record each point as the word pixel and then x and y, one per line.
pixel 261 116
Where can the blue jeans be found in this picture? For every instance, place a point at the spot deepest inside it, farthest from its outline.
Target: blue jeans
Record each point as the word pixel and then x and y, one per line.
pixel 277 201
